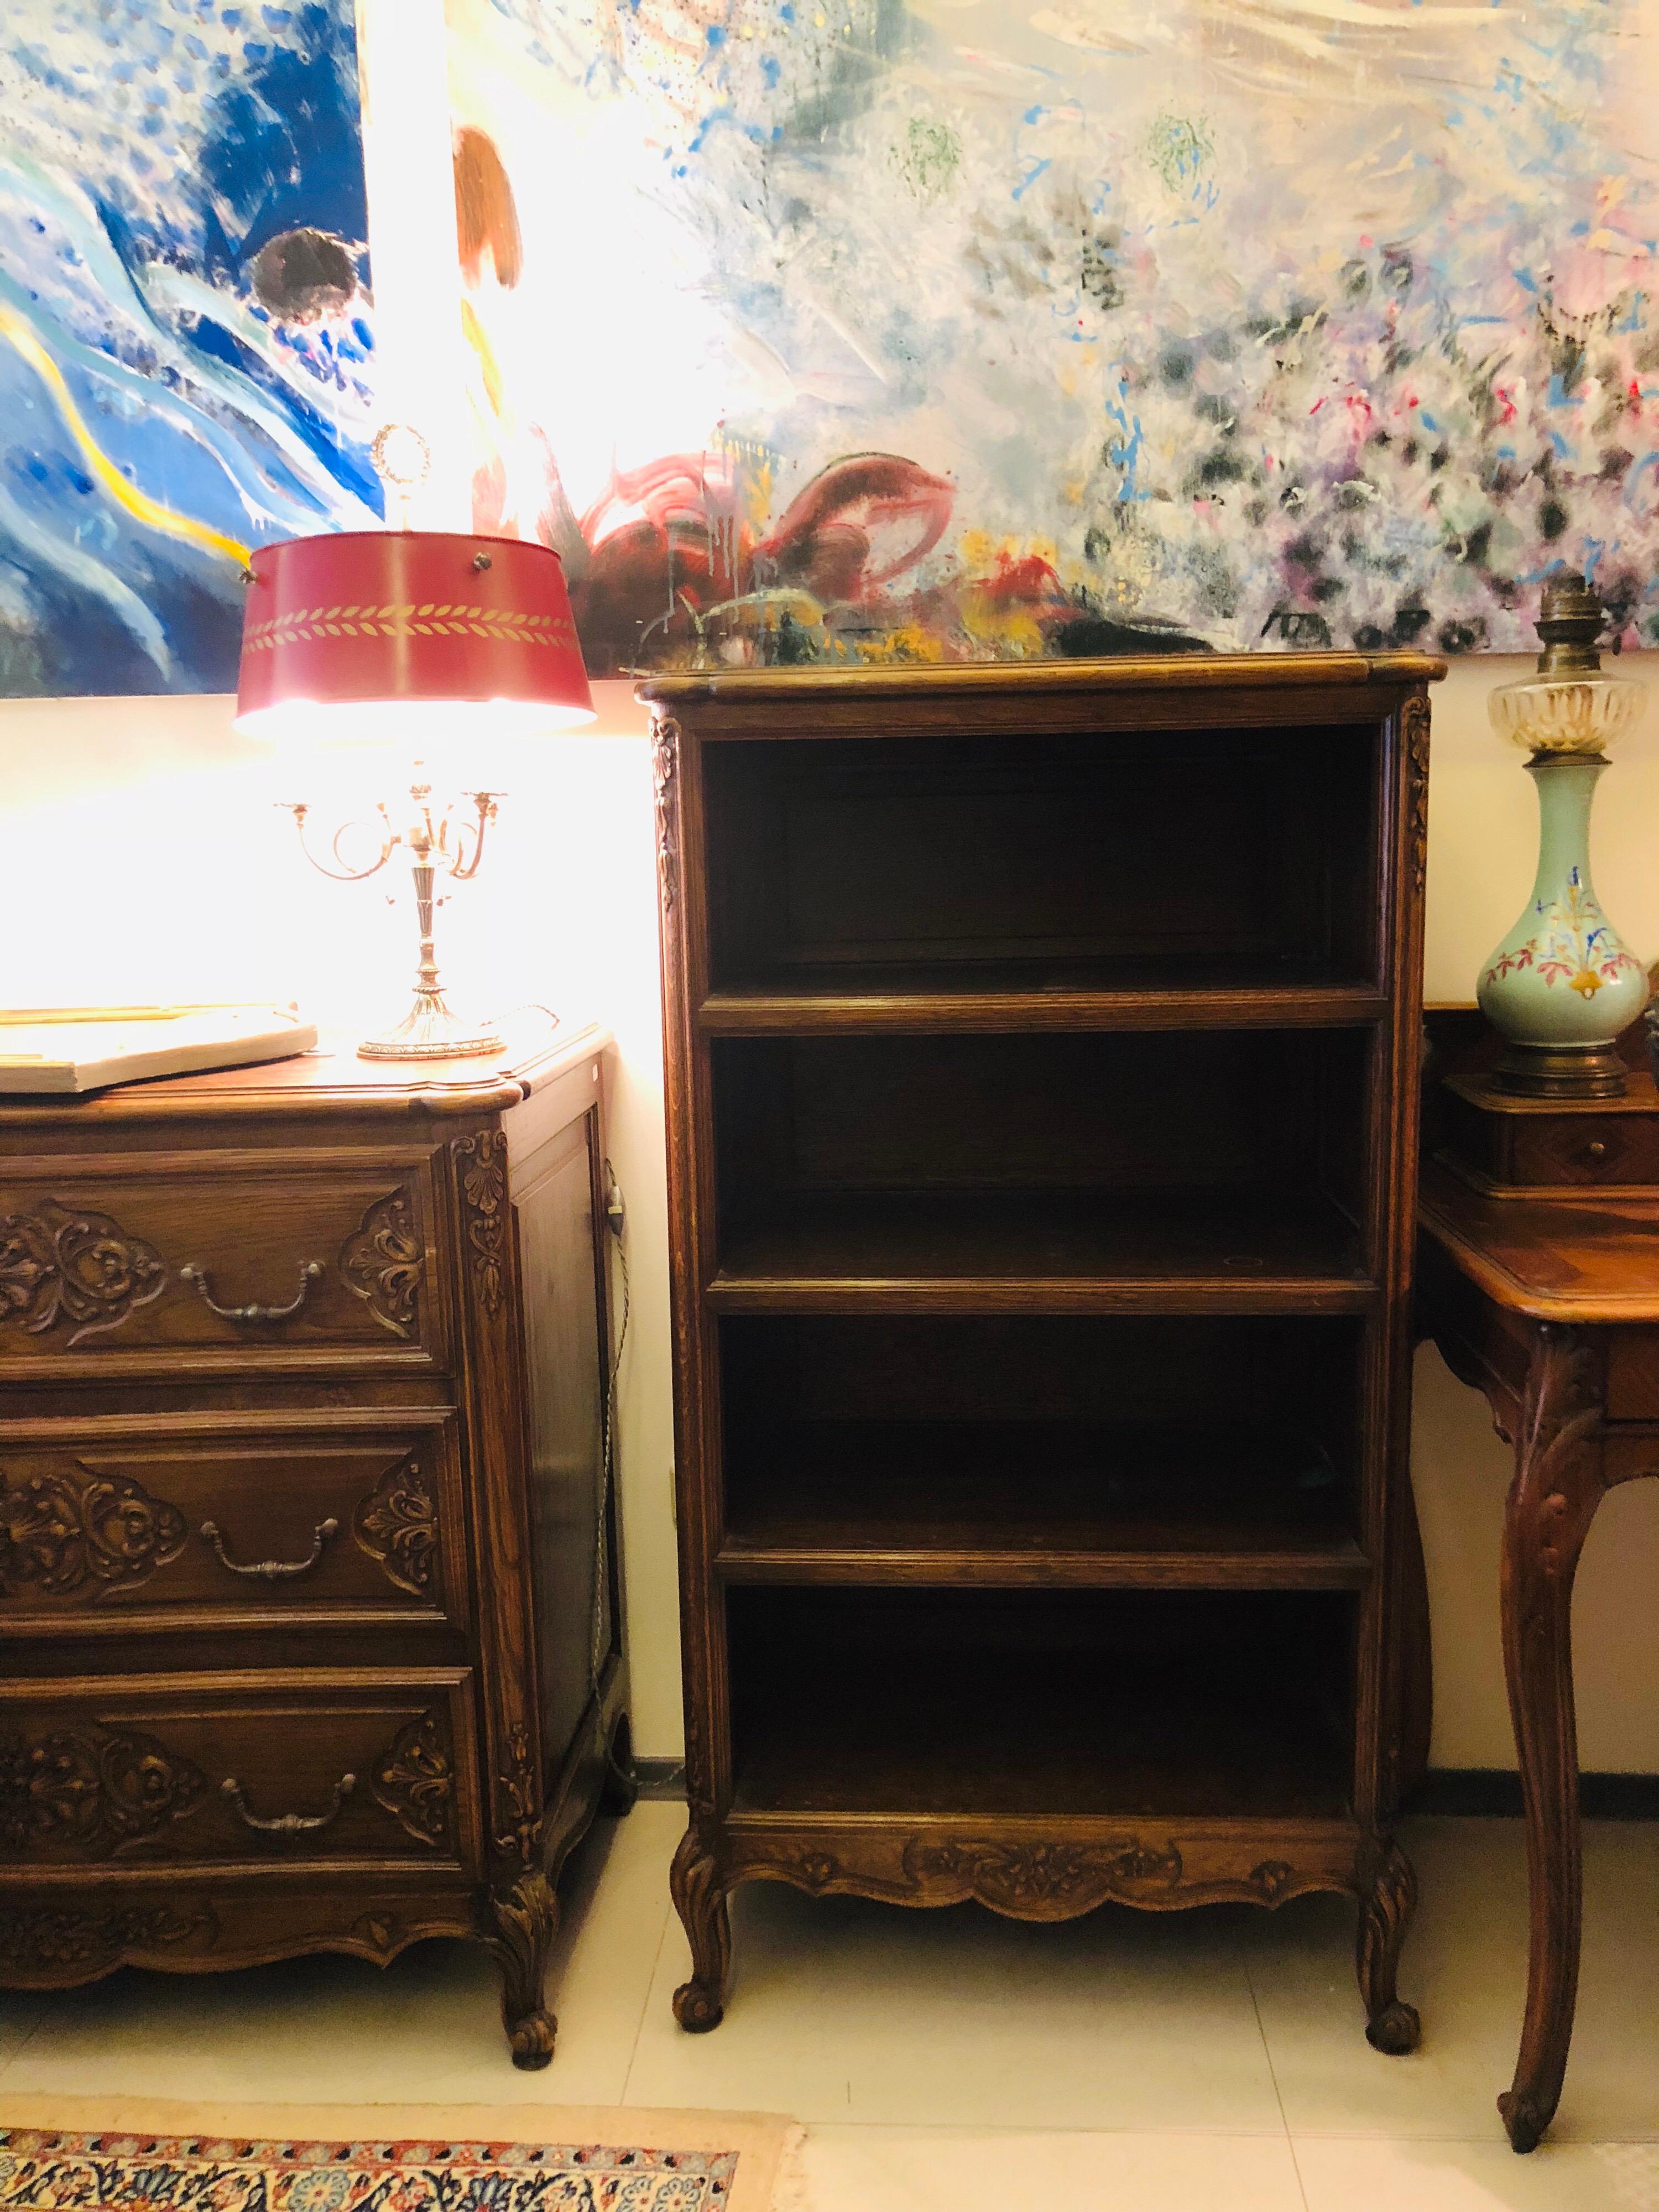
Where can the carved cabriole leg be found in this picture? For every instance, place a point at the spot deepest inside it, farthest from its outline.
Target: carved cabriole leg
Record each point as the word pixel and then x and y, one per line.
pixel 699 1900
pixel 1385 1914
pixel 1553 1500
pixel 527 1918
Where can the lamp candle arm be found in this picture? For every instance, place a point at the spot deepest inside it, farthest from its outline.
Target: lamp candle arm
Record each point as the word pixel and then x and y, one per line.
pixel 298 808
pixel 437 841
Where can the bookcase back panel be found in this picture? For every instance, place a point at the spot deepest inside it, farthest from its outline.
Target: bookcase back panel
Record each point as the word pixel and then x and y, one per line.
pixel 1220 854
pixel 1119 1701
pixel 1098 1111
pixel 1188 1432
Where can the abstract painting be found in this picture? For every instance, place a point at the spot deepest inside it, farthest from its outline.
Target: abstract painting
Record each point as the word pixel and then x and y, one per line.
pixel 185 352
pixel 847 330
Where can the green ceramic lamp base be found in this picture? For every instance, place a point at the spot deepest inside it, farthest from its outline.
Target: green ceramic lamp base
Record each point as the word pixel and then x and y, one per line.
pixel 1559 1070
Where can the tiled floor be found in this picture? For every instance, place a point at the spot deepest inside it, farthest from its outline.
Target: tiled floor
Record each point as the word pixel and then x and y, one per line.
pixel 1209 2062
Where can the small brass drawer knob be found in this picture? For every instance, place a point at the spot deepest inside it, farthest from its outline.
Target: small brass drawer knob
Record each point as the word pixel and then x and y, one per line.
pixel 1596 1150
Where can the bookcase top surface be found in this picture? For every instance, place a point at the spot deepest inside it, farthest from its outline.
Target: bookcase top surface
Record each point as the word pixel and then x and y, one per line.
pixel 1197 671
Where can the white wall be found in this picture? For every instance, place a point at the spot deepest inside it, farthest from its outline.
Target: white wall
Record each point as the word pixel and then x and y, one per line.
pixel 145 861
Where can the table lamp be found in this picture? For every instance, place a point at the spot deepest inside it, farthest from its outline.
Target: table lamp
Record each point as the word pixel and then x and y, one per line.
pixel 408 635
pixel 1564 984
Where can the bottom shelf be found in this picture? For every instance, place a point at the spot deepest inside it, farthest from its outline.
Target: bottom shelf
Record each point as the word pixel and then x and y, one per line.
pixel 1017 1703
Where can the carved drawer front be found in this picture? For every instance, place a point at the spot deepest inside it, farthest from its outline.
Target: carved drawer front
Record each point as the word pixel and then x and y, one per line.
pixel 216 1267
pixel 238 1770
pixel 230 1521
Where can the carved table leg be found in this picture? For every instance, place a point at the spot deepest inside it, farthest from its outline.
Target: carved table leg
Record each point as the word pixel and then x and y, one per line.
pixel 528 1915
pixel 700 1900
pixel 1553 1500
pixel 1385 1914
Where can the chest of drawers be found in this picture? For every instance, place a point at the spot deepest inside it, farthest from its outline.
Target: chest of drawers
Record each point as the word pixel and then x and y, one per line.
pixel 309 1631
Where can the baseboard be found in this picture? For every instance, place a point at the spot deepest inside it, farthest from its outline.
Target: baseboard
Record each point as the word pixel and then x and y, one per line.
pixel 661 1778
pixel 1496 1791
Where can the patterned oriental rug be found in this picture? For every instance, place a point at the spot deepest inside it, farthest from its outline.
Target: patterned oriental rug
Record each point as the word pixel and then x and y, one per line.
pixel 99 2156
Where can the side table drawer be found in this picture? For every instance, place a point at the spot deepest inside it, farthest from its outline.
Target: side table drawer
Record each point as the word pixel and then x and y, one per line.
pixel 216 1267
pixel 1587 1149
pixel 230 1521
pixel 238 1770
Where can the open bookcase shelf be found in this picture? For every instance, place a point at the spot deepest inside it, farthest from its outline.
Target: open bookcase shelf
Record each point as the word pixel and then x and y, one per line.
pixel 1127 1703
pixel 1042 1063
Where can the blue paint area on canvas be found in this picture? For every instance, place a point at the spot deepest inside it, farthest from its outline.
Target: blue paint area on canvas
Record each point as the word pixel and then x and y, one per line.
pixel 186 352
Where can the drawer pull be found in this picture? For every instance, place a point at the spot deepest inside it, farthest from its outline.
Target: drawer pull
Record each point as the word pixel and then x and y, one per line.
pixel 288 1824
pixel 310 1273
pixel 272 1570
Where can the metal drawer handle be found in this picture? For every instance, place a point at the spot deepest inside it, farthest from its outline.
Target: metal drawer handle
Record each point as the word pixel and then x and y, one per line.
pixel 272 1570
pixel 310 1272
pixel 288 1824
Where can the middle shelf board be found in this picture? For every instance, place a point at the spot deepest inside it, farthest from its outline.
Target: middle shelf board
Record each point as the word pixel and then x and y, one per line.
pixel 1055 1250
pixel 1002 1503
pixel 1011 996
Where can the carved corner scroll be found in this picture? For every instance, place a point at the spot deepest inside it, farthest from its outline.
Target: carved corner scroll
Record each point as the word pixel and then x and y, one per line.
pixel 381 1263
pixel 481 1163
pixel 415 1781
pixel 665 780
pixel 93 1789
pixel 396 1527
pixel 82 1534
pixel 1415 728
pixel 60 1264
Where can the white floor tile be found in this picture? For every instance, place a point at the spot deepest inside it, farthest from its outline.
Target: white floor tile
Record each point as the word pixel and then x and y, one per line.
pixel 1359 2175
pixel 20 2014
pixel 1465 1968
pixel 843 2010
pixel 337 2029
pixel 918 2170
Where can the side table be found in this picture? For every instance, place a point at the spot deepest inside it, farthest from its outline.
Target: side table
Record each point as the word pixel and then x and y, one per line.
pixel 1539 1282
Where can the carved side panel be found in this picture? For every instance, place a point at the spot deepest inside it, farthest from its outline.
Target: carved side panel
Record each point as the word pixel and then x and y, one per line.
pixel 414 1782
pixel 664 774
pixel 481 1165
pixel 61 1265
pixel 91 1791
pixel 381 1263
pixel 396 1526
pixel 82 1534
pixel 1414 730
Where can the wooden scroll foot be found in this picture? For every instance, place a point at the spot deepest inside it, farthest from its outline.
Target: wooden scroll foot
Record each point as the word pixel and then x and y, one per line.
pixel 1524 2121
pixel 700 1900
pixel 527 1916
pixel 1559 1484
pixel 1385 1914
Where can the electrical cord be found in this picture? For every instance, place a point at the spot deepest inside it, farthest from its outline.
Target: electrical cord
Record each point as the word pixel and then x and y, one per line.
pixel 616 1217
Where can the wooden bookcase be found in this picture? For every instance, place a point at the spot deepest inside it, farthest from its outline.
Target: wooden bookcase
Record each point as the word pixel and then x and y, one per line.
pixel 1042 1048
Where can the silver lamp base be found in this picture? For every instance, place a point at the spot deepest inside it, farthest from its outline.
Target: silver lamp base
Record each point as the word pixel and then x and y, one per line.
pixel 430 1031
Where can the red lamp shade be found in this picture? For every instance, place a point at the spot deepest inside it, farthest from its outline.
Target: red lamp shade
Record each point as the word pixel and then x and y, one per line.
pixel 363 633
